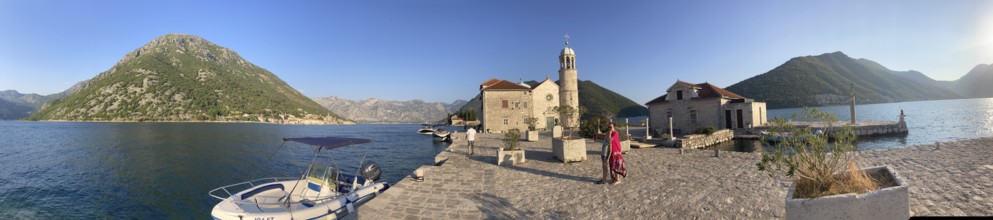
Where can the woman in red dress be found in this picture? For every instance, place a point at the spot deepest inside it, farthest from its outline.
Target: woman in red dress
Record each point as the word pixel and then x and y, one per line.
pixel 617 168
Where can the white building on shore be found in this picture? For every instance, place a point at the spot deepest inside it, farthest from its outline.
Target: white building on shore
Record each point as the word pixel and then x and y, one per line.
pixel 695 106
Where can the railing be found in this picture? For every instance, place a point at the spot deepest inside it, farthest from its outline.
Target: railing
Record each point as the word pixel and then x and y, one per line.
pixel 251 184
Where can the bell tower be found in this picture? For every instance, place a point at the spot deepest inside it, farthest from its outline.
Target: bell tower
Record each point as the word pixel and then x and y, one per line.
pixel 568 85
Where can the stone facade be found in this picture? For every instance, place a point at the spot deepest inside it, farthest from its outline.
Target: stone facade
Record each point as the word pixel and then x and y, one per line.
pixel 545 100
pixel 692 106
pixel 507 105
pixel 569 91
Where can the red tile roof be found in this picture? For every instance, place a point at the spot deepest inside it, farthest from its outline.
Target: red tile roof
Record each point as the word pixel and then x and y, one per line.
pixel 706 90
pixel 505 85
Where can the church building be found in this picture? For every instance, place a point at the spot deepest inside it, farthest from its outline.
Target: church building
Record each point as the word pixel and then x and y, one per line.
pixel 507 105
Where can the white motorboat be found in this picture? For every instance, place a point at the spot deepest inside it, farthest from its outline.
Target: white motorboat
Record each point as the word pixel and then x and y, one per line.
pixel 426 129
pixel 441 135
pixel 322 192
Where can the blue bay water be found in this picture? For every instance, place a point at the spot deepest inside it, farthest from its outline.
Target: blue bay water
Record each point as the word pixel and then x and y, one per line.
pixel 164 170
pixel 927 121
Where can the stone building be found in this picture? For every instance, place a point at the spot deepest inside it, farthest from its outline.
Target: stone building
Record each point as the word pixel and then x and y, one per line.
pixel 506 105
pixel 693 106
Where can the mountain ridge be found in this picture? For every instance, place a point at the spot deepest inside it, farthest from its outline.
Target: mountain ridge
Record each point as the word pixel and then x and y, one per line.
pixel 179 77
pixel 383 111
pixel 828 78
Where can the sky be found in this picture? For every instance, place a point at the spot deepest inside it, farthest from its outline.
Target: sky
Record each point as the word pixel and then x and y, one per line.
pixel 439 51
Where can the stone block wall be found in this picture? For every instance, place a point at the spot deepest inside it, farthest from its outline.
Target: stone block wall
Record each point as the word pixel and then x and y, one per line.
pixel 697 141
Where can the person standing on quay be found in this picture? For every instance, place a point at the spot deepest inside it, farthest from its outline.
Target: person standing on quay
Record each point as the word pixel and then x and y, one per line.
pixel 605 160
pixel 617 168
pixel 471 136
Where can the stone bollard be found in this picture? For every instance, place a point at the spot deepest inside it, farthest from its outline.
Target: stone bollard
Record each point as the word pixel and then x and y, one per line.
pixel 717 153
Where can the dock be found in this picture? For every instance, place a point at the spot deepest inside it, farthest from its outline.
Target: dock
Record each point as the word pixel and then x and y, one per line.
pixel 951 178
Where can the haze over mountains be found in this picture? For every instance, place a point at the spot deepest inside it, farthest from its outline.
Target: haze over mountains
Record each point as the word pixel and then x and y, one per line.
pixel 827 79
pixel 179 77
pixel 387 111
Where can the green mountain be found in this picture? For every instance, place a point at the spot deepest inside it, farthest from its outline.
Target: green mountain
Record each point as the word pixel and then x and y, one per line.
pixel 827 79
pixel 975 84
pixel 593 97
pixel 186 78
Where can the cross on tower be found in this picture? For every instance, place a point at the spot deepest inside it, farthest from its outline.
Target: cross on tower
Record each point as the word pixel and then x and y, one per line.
pixel 566 39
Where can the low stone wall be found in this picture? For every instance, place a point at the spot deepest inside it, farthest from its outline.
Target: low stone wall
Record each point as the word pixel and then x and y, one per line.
pixel 894 128
pixel 697 141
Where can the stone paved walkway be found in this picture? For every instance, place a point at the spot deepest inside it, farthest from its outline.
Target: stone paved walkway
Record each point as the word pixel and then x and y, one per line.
pixel 953 179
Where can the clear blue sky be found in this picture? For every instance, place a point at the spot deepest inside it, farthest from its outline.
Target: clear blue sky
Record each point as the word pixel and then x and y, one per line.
pixel 442 50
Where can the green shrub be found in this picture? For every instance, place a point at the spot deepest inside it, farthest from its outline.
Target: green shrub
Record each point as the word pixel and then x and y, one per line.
pixel 512 139
pixel 705 130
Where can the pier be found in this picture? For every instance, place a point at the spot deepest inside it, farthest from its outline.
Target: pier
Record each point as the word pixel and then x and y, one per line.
pixel 950 178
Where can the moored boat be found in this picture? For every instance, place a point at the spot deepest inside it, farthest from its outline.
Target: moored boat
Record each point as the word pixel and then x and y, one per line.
pixel 441 135
pixel 426 129
pixel 323 191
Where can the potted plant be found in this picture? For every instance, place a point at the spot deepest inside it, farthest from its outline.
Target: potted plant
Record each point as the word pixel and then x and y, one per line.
pixel 569 148
pixel 827 181
pixel 512 148
pixel 531 133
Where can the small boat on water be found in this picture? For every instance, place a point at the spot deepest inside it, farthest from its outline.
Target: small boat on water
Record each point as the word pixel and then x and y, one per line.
pixel 426 129
pixel 441 135
pixel 322 192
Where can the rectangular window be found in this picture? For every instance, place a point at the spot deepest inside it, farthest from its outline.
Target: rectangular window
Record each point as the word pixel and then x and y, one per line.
pixel 517 104
pixel 679 95
pixel 506 121
pixel 693 116
pixel 525 104
pixel 506 104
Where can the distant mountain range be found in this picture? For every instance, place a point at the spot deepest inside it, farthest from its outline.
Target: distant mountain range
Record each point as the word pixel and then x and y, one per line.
pixel 388 111
pixel 179 77
pixel 593 97
pixel 827 79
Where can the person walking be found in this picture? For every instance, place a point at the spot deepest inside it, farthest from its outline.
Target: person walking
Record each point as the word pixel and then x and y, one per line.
pixel 617 167
pixel 471 136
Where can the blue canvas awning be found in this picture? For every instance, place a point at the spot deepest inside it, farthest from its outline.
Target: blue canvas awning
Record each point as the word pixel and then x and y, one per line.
pixel 328 142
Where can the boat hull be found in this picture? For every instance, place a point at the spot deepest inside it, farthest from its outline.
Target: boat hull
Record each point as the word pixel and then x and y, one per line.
pixel 239 207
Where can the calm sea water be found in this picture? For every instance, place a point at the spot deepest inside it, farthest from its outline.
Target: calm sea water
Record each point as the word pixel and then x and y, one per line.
pixel 928 122
pixel 54 170
pixel 164 170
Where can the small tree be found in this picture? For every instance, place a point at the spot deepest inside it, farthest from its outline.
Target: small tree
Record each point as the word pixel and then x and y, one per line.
pixel 532 123
pixel 512 139
pixel 816 168
pixel 569 112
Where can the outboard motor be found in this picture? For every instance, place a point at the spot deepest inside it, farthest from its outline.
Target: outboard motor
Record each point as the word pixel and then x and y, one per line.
pixel 371 171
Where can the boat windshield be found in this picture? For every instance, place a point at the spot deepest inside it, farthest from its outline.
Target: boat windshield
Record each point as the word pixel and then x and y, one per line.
pixel 322 177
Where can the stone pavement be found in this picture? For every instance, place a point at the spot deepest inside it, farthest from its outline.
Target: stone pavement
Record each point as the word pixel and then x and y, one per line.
pixel 953 179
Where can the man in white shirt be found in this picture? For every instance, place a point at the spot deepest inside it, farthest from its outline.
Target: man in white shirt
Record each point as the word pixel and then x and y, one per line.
pixel 471 136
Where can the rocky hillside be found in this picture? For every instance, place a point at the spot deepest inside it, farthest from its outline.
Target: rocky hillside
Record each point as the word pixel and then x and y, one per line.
pixel 387 111
pixel 180 77
pixel 826 79
pixel 595 98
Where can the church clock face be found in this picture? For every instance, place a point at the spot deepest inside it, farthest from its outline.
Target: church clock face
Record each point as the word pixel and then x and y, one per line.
pixel 548 97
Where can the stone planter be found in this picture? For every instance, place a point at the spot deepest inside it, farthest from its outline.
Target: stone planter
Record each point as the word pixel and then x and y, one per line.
pixel 531 135
pixel 890 202
pixel 569 150
pixel 557 131
pixel 514 156
pixel 625 146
